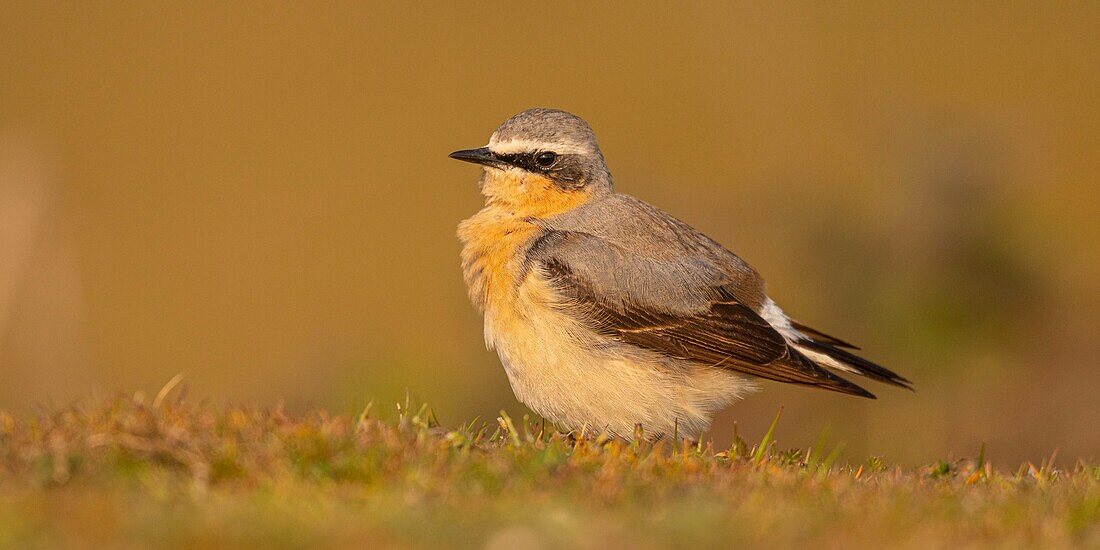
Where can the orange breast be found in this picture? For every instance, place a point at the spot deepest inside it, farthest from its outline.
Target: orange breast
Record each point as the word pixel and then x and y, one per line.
pixel 491 241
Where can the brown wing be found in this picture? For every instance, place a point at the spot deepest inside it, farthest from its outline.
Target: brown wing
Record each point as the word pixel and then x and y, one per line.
pixel 718 331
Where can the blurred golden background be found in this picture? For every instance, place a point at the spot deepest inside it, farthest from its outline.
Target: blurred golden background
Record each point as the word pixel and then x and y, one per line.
pixel 259 196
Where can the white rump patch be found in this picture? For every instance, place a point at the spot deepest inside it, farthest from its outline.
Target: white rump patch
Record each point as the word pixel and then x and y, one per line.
pixel 780 322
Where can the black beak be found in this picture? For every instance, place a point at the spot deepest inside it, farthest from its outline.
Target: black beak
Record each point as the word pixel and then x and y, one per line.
pixel 481 155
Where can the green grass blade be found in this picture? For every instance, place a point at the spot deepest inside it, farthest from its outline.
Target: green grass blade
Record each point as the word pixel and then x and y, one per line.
pixel 762 448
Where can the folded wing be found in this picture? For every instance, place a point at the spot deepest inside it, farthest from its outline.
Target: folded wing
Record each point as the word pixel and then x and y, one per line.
pixel 691 307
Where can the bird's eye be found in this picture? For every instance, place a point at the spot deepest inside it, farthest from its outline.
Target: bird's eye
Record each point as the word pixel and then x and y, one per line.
pixel 546 160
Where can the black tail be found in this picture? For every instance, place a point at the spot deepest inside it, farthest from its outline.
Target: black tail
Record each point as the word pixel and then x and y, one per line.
pixel 821 337
pixel 857 363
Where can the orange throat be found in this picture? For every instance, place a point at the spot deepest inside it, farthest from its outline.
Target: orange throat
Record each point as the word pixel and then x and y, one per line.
pixel 494 237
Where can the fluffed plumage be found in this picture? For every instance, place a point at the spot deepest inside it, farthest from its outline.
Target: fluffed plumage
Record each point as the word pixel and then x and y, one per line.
pixel 606 311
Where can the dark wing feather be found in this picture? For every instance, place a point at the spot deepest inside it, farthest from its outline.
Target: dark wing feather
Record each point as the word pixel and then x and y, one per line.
pixel 718 330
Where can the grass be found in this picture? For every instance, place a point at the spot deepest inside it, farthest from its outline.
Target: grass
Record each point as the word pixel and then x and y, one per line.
pixel 130 472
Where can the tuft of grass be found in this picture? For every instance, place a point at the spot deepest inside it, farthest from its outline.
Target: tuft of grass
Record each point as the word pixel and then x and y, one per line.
pixel 762 450
pixel 124 472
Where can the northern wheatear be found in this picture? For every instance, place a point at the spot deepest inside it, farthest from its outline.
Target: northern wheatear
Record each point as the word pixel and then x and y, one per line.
pixel 607 312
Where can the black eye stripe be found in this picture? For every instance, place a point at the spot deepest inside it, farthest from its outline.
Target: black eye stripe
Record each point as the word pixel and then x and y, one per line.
pixel 529 161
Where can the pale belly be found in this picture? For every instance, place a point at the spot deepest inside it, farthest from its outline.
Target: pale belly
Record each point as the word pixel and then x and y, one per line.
pixel 581 380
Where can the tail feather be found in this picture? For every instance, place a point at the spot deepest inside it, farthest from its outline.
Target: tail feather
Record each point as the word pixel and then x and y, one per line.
pixel 824 378
pixel 821 337
pixel 853 363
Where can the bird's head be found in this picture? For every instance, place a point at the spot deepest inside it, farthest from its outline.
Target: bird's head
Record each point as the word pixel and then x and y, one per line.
pixel 541 161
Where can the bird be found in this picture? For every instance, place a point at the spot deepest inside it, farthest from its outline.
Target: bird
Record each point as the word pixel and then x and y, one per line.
pixel 611 316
